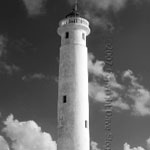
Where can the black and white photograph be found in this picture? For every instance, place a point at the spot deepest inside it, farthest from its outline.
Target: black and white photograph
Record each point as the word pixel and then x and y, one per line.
pixel 74 74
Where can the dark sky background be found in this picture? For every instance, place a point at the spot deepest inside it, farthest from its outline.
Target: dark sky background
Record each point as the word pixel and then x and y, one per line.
pixel 31 50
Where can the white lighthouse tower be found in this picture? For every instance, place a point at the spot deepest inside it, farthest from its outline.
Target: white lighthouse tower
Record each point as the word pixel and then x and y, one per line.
pixel 73 104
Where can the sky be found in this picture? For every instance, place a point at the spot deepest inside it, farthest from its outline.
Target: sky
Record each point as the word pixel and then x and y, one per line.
pixel 29 60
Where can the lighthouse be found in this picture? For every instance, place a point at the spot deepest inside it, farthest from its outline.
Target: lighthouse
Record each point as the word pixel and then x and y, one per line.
pixel 73 104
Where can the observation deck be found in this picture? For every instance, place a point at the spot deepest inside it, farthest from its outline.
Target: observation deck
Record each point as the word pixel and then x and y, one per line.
pixel 74 20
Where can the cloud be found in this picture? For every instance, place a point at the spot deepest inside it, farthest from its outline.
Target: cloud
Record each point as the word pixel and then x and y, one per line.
pixel 106 5
pixel 148 143
pixel 95 67
pixel 141 98
pixel 35 7
pixel 99 12
pixel 35 76
pixel 99 20
pixel 94 146
pixel 27 136
pixel 128 74
pixel 120 104
pixel 116 5
pixel 129 95
pixel 8 69
pixel 3 51
pixel 139 94
pixel 97 92
pixel 97 86
pixel 3 144
pixel 127 147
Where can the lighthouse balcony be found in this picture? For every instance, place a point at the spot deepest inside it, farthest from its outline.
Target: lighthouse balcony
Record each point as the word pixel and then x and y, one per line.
pixel 74 20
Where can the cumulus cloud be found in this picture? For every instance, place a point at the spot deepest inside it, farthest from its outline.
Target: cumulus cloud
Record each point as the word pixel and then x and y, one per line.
pixel 35 7
pixel 141 98
pixel 139 94
pixel 97 92
pixel 129 95
pixel 148 143
pixel 94 146
pixel 35 76
pixel 26 136
pixel 3 144
pixel 120 104
pixel 95 66
pixel 97 86
pixel 127 147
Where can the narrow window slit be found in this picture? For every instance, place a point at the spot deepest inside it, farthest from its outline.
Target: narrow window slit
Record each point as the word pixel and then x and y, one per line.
pixel 64 99
pixel 67 35
pixel 83 36
pixel 85 123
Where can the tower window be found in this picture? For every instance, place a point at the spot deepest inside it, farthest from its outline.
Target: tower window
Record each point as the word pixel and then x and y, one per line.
pixel 85 123
pixel 64 99
pixel 83 36
pixel 67 35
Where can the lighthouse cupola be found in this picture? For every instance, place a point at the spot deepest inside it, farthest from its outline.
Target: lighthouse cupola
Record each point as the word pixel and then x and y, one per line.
pixel 74 28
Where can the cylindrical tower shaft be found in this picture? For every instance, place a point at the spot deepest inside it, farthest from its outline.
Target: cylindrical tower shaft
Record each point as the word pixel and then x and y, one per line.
pixel 73 104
